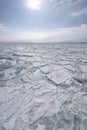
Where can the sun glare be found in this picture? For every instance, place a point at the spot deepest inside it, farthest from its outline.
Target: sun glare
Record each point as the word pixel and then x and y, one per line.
pixel 33 4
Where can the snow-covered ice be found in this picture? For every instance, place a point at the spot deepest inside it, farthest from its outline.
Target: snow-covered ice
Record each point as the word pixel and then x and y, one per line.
pixel 43 87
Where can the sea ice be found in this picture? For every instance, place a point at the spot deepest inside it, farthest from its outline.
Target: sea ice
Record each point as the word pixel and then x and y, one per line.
pixel 43 87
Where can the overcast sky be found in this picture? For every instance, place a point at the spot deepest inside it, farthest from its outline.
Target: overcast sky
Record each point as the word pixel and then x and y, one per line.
pixel 43 20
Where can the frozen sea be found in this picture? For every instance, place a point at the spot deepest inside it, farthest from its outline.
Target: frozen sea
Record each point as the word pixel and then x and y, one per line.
pixel 43 87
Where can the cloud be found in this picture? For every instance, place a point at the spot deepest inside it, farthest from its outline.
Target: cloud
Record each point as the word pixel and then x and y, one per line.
pixel 64 3
pixel 53 35
pixel 3 27
pixel 80 12
pixel 52 4
pixel 77 34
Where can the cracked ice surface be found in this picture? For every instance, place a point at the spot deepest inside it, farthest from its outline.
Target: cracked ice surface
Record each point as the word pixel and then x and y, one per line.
pixel 43 87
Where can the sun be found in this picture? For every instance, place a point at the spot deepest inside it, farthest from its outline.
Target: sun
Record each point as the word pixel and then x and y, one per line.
pixel 33 4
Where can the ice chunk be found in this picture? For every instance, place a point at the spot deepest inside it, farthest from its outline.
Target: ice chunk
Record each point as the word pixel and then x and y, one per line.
pixel 46 69
pixel 80 100
pixel 5 65
pixel 38 76
pixel 37 111
pixel 81 78
pixel 4 95
pixel 41 127
pixel 9 125
pixel 59 75
pixel 83 68
pixel 1 76
pixel 19 125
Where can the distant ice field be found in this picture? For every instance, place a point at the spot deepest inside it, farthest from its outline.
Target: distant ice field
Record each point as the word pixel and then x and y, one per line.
pixel 43 86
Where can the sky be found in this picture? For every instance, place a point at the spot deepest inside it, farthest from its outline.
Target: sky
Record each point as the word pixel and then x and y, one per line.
pixel 43 20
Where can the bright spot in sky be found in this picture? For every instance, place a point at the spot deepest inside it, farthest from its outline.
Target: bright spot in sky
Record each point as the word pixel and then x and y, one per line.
pixel 33 4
